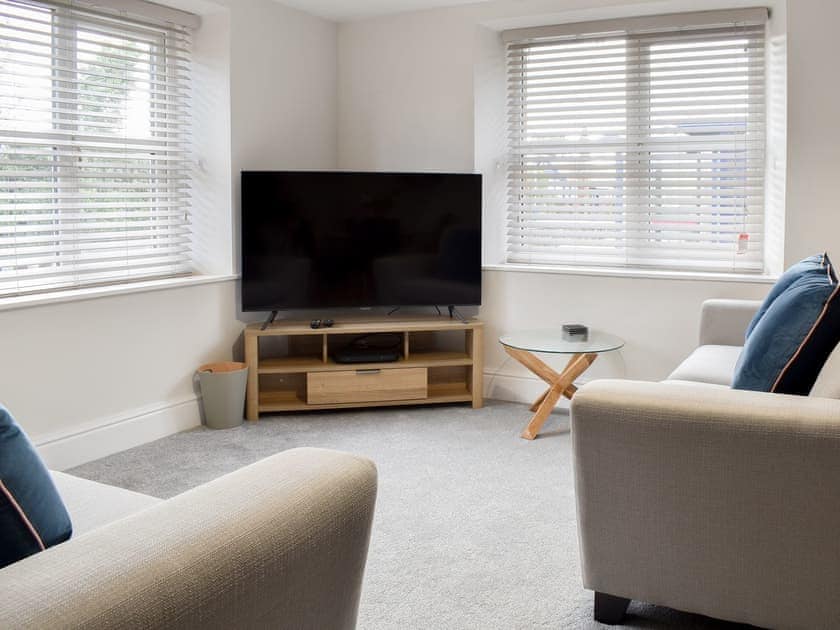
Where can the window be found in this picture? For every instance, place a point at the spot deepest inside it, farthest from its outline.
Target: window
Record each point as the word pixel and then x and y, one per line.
pixel 94 148
pixel 639 143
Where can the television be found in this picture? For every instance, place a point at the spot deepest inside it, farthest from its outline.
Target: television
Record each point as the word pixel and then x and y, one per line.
pixel 316 239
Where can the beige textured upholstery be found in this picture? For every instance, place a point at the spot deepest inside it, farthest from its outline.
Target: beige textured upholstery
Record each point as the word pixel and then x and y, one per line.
pixel 709 364
pixel 827 384
pixel 281 543
pixel 724 322
pixel 710 500
pixel 93 504
pixel 715 501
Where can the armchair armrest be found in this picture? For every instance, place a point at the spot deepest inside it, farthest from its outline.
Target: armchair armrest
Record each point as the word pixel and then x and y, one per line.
pixel 710 500
pixel 724 322
pixel 281 543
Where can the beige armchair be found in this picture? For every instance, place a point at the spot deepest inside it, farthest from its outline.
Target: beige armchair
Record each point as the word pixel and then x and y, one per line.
pixel 279 544
pixel 707 499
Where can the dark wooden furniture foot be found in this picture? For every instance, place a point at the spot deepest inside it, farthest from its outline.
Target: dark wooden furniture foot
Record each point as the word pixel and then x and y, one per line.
pixel 610 609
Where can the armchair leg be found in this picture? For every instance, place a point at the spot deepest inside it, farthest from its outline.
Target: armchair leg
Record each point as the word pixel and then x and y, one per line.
pixel 610 609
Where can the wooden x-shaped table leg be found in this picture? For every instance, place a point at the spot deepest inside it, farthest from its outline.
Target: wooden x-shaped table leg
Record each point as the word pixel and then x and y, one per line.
pixel 560 384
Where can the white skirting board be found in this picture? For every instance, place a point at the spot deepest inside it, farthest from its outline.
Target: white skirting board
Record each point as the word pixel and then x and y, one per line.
pixel 112 435
pixel 522 389
pixel 109 436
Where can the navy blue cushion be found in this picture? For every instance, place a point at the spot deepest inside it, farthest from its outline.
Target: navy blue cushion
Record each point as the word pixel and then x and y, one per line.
pixel 811 264
pixel 790 343
pixel 32 515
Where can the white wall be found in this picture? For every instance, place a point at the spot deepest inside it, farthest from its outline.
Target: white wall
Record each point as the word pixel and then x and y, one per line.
pixel 91 377
pixel 400 76
pixel 405 94
pixel 813 182
pixel 283 87
pixel 212 218
pixel 88 378
pixel 658 319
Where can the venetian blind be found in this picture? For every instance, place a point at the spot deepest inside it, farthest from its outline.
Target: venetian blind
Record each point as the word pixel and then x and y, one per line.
pixel 639 144
pixel 94 147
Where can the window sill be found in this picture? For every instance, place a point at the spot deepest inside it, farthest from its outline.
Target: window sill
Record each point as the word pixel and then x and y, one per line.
pixel 75 295
pixel 613 272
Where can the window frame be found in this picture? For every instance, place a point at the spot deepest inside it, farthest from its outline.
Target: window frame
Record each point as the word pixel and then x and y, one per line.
pixel 164 37
pixel 626 28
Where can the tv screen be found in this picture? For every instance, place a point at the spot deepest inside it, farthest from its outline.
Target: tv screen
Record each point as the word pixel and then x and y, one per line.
pixel 339 239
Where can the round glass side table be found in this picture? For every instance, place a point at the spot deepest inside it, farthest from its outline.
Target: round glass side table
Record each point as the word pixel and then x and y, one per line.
pixel 523 344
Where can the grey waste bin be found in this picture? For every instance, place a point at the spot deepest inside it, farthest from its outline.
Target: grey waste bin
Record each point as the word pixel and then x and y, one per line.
pixel 223 393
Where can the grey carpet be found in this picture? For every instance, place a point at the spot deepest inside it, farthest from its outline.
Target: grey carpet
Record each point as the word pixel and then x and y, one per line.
pixel 475 527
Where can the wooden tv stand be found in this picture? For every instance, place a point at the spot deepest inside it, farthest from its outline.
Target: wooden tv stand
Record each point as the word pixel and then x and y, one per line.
pixel 290 365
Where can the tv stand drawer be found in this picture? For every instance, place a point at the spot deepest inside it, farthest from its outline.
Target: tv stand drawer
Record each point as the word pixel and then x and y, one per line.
pixel 359 386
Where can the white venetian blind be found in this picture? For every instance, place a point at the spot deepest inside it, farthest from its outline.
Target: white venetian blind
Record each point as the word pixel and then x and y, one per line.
pixel 639 143
pixel 94 147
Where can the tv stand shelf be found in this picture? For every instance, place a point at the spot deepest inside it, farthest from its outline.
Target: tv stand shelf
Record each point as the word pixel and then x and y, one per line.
pixel 441 361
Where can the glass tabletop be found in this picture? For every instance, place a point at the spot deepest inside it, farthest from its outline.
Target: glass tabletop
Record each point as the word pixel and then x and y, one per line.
pixel 551 340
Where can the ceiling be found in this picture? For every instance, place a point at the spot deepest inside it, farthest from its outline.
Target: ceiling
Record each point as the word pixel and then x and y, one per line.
pixel 343 10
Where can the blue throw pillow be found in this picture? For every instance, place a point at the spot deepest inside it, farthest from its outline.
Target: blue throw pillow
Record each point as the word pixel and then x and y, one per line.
pixel 790 343
pixel 32 515
pixel 816 263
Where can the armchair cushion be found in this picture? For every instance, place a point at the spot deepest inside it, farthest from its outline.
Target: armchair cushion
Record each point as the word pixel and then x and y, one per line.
pixel 827 384
pixel 791 342
pixel 32 516
pixel 811 264
pixel 711 364
pixel 92 505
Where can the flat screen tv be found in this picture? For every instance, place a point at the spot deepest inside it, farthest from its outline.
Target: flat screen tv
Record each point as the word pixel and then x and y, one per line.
pixel 340 239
